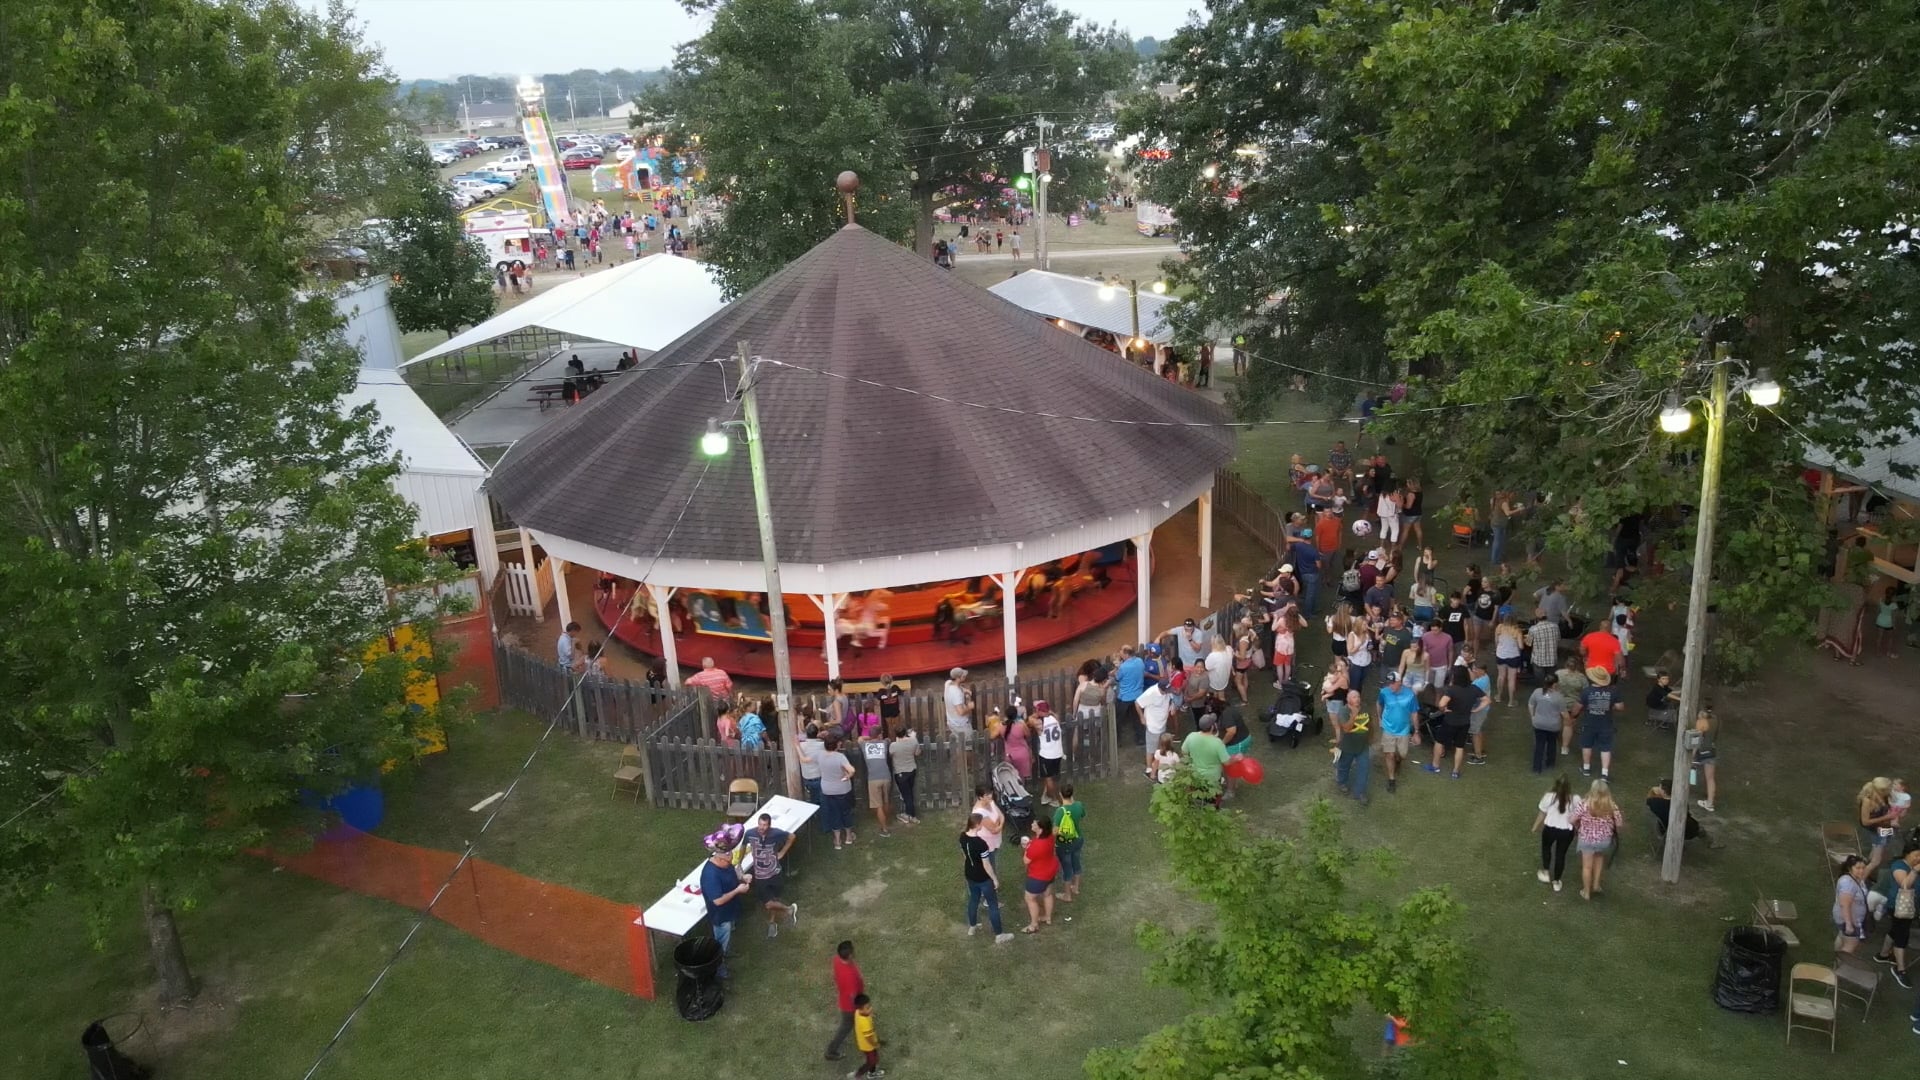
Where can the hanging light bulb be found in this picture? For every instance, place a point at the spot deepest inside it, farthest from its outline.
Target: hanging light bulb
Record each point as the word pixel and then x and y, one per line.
pixel 714 443
pixel 1763 391
pixel 1675 417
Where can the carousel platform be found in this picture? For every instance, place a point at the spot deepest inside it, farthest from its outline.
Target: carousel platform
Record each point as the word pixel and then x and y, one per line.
pixel 979 643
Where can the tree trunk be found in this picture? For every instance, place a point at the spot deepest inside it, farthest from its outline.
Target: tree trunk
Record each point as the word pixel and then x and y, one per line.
pixel 923 222
pixel 163 945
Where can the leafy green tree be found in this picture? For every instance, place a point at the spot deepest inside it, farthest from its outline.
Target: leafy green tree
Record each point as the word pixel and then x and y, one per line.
pixel 766 93
pixel 1260 158
pixel 1297 946
pixel 197 545
pixel 1571 206
pixel 441 280
pixel 965 84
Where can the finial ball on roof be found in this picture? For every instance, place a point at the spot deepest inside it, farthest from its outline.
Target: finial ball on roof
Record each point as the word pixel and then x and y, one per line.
pixel 848 182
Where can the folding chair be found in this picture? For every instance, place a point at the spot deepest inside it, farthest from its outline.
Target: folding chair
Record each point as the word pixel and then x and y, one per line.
pixel 1778 911
pixel 1820 1008
pixel 629 774
pixel 743 798
pixel 1857 978
pixel 1838 839
pixel 1763 918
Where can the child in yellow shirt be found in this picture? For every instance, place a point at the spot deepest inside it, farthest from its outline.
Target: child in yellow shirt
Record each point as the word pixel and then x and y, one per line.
pixel 865 1038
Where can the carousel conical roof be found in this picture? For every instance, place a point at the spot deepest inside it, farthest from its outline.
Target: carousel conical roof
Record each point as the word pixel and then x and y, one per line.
pixel 858 471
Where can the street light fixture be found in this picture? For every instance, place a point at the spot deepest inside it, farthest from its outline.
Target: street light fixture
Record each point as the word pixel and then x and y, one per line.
pixel 715 442
pixel 1675 418
pixel 1160 287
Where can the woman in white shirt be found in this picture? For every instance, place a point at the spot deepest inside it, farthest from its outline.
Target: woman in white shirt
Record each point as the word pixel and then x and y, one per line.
pixel 991 819
pixel 1555 826
pixel 1387 509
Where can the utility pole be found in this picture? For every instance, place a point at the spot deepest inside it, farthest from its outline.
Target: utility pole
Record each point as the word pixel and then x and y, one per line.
pixel 776 602
pixel 1044 162
pixel 1692 672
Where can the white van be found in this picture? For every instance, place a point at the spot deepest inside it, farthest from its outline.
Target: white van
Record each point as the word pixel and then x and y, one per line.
pixel 507 236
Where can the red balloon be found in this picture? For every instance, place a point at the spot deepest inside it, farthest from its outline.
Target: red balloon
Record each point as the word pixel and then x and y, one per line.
pixel 1250 770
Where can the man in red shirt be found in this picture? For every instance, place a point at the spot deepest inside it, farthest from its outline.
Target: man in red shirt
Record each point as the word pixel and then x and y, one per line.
pixel 1602 650
pixel 846 980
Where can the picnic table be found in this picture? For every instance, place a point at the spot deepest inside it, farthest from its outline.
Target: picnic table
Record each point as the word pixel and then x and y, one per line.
pixel 682 908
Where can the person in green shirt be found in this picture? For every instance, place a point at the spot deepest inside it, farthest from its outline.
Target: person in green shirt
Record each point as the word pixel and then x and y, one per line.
pixel 1067 850
pixel 1206 753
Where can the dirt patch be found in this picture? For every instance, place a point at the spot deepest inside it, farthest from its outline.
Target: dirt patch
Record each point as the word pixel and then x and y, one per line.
pixel 166 1030
pixel 865 893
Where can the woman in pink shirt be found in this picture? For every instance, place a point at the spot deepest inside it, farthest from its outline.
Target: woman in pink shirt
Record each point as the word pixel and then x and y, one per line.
pixel 1596 824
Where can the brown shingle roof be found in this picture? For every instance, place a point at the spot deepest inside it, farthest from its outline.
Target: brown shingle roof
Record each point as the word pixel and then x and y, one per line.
pixel 855 471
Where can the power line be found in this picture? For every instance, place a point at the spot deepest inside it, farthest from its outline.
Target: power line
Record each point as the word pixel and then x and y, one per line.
pixel 507 794
pixel 1011 410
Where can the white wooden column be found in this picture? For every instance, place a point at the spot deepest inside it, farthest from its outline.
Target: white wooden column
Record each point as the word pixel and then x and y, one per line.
pixel 1206 549
pixel 486 549
pixel 526 560
pixel 560 589
pixel 1143 580
pixel 829 606
pixel 669 651
pixel 1009 631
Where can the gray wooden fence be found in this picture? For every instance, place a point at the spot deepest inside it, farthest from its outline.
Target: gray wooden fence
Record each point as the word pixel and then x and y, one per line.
pixel 616 710
pixel 1239 503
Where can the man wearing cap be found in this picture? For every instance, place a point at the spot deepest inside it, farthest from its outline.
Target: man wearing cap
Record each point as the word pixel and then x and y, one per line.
pixel 1129 678
pixel 1595 709
pixel 1156 668
pixel 1192 642
pixel 721 888
pixel 1355 744
pixel 1305 560
pixel 1398 704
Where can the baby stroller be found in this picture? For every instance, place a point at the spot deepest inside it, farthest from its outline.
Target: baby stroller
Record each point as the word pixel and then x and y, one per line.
pixel 1292 714
pixel 1014 801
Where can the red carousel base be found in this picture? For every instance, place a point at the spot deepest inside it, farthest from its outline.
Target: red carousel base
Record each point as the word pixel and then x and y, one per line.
pixel 980 643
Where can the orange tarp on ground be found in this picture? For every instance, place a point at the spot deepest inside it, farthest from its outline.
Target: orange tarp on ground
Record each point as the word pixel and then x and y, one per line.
pixel 586 935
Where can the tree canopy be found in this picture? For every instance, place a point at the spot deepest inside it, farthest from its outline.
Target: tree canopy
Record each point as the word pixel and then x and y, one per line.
pixel 441 280
pixel 931 101
pixel 1549 215
pixel 1294 946
pixel 196 543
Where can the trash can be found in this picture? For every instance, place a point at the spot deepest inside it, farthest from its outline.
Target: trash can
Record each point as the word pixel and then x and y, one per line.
pixel 698 992
pixel 104 1059
pixel 1748 977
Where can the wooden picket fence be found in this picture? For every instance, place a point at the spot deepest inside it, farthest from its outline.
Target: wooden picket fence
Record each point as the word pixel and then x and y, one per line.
pixel 614 710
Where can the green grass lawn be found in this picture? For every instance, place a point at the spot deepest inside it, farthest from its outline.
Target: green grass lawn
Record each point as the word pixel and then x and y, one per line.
pixel 1591 984
pixel 1623 979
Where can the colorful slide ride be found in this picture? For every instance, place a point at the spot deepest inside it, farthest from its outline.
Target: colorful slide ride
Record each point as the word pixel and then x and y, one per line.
pixel 547 174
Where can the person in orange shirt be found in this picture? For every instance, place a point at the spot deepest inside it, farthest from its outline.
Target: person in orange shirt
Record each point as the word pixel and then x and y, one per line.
pixel 1326 531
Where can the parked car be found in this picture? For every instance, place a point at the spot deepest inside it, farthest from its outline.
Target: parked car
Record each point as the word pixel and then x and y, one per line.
pixel 443 158
pixel 473 184
pixel 512 164
pixel 510 140
pixel 496 177
pixel 460 199
pixel 467 147
pixel 580 159
pixel 488 143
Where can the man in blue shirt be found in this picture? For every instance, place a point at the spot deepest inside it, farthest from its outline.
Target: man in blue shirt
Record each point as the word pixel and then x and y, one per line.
pixel 1128 680
pixel 721 888
pixel 1306 566
pixel 1397 736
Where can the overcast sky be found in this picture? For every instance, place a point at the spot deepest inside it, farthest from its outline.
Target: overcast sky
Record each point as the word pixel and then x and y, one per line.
pixel 426 39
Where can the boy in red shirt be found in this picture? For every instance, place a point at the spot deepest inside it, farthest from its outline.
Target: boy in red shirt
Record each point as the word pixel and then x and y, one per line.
pixel 849 984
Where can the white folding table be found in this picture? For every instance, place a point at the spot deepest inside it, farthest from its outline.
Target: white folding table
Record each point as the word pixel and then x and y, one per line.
pixel 676 914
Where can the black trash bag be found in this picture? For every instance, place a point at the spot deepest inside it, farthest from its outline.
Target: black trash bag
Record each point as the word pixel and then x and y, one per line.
pixel 1748 977
pixel 698 992
pixel 104 1059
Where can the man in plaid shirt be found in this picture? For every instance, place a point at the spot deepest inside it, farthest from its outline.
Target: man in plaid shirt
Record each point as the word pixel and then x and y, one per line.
pixel 1544 639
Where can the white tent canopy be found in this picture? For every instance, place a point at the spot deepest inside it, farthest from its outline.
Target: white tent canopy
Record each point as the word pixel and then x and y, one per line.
pixel 644 304
pixel 439 475
pixel 1078 300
